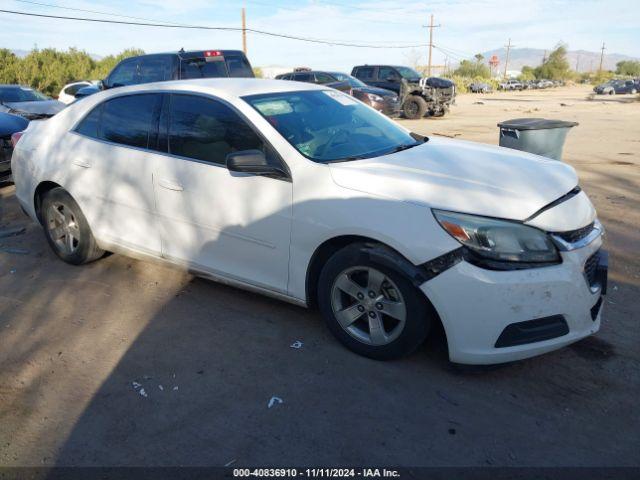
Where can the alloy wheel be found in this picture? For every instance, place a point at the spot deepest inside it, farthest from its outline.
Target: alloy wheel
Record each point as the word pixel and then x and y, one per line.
pixel 63 228
pixel 368 305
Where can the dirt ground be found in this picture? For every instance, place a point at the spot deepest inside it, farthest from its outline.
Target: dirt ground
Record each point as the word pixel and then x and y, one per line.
pixel 73 340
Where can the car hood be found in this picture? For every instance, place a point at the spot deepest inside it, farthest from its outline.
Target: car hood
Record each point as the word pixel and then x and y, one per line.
pixel 462 177
pixel 45 107
pixel 377 91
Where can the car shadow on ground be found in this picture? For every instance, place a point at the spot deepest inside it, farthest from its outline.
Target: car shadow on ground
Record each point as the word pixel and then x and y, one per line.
pixel 123 362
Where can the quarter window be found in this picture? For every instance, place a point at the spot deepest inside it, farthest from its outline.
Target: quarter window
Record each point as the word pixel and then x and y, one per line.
pixel 204 129
pixel 89 125
pixel 129 120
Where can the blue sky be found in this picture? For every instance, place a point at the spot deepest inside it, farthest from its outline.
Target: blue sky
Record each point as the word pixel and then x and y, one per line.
pixel 467 27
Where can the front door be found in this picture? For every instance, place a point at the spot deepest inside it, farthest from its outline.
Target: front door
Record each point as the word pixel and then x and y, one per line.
pixel 223 222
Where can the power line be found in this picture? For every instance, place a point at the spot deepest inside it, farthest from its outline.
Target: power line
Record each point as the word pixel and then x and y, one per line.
pixel 356 19
pixel 98 12
pixel 202 27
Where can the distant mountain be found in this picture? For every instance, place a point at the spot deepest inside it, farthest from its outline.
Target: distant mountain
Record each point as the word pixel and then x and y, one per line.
pixel 580 60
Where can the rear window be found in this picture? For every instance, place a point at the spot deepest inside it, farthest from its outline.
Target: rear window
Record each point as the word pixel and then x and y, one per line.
pixel 230 66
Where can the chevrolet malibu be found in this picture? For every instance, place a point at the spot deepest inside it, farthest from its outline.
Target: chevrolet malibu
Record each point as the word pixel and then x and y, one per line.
pixel 304 193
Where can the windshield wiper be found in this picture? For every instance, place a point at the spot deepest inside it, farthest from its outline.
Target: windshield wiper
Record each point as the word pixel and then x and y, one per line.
pixel 407 146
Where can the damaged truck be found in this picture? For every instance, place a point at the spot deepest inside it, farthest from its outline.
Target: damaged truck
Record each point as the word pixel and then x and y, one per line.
pixel 419 96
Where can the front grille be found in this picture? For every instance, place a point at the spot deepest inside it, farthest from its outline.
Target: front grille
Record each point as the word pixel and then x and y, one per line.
pixel 591 269
pixel 573 236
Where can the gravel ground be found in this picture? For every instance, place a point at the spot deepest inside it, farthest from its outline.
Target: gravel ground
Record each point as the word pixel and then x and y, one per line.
pixel 124 362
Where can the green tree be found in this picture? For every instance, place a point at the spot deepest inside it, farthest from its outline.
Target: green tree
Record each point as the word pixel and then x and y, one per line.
pixel 528 73
pixel 556 66
pixel 473 69
pixel 48 70
pixel 628 67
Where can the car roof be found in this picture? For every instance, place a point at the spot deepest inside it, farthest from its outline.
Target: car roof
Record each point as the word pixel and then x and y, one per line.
pixel 190 52
pixel 13 85
pixel 235 87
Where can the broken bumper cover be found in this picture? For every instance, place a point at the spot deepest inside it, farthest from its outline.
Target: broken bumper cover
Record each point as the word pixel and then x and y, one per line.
pixel 477 305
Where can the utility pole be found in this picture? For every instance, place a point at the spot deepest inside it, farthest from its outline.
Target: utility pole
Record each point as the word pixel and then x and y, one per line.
pixel 601 57
pixel 506 62
pixel 244 31
pixel 431 26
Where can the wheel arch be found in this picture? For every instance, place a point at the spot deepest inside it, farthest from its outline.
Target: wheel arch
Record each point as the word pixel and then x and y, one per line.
pixel 382 252
pixel 41 189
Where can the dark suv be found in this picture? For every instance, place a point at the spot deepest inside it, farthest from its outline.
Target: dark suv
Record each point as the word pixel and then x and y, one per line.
pixel 158 67
pixel 384 101
pixel 418 96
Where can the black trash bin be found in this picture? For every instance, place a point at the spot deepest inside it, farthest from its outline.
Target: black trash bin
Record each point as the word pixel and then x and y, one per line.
pixel 535 135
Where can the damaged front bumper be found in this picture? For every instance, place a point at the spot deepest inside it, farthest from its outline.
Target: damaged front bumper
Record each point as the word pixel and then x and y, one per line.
pixel 500 316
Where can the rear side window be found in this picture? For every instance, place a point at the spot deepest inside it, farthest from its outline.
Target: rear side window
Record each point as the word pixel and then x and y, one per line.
pixel 129 120
pixel 364 73
pixel 73 89
pixel 205 129
pixel 156 69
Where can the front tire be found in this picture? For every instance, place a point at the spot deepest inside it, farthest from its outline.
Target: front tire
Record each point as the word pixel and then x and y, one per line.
pixel 371 308
pixel 67 229
pixel 414 107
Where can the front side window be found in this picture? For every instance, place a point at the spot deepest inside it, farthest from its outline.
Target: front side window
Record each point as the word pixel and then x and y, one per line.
pixel 129 120
pixel 323 78
pixel 408 73
pixel 354 82
pixel 124 74
pixel 385 72
pixel 328 125
pixel 208 130
pixel 303 77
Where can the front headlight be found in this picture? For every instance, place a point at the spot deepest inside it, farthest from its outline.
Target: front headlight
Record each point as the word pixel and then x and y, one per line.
pixel 499 240
pixel 375 98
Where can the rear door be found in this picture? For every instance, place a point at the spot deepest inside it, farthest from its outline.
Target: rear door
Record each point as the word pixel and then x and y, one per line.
pixel 230 224
pixel 157 68
pixel 111 170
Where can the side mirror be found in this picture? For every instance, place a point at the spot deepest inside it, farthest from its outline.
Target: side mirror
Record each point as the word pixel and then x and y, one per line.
pixel 252 161
pixel 101 85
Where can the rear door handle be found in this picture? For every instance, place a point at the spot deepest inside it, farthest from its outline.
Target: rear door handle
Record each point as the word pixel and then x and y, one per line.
pixel 169 185
pixel 82 163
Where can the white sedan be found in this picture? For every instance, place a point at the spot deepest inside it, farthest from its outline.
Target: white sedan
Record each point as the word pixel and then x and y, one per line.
pixel 68 93
pixel 303 193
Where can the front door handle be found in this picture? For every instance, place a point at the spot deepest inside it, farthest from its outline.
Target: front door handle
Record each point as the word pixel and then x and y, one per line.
pixel 170 185
pixel 82 163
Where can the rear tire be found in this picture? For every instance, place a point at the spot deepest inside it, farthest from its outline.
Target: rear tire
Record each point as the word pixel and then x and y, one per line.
pixel 414 107
pixel 372 309
pixel 67 229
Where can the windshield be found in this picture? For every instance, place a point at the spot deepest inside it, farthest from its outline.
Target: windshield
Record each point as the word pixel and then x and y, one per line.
pixel 408 73
pixel 328 125
pixel 21 94
pixel 354 82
